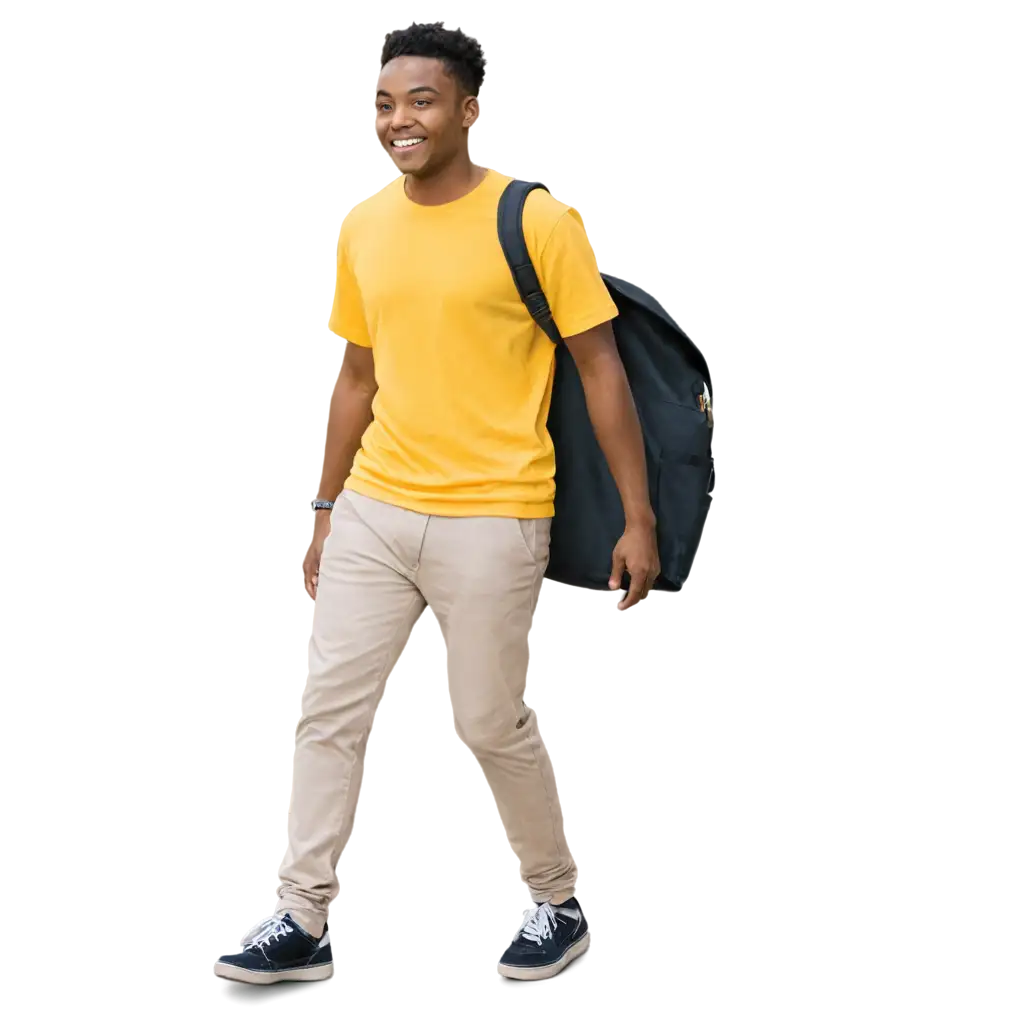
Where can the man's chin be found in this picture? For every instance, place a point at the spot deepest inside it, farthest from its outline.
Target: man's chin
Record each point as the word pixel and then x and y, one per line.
pixel 418 170
pixel 412 163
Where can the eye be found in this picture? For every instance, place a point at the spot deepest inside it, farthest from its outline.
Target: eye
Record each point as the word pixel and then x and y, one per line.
pixel 382 107
pixel 426 103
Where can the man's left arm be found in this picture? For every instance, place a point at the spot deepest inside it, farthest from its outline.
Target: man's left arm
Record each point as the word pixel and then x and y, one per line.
pixel 583 310
pixel 617 427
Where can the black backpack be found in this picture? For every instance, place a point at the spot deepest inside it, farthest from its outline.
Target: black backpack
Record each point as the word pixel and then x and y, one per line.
pixel 672 390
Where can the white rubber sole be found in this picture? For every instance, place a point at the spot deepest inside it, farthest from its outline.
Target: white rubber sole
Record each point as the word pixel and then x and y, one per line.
pixel 319 973
pixel 578 948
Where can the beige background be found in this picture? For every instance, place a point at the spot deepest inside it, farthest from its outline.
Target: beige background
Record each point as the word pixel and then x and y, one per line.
pixel 169 181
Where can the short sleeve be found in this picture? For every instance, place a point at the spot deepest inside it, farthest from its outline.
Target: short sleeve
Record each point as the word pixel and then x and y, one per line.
pixel 578 297
pixel 347 316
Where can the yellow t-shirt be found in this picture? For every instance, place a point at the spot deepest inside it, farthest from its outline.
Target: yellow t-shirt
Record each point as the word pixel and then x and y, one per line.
pixel 464 374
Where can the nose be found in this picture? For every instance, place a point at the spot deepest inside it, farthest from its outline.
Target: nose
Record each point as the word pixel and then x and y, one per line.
pixel 395 124
pixel 401 119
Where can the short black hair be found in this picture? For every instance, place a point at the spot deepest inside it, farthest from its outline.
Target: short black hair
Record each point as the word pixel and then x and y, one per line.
pixel 462 56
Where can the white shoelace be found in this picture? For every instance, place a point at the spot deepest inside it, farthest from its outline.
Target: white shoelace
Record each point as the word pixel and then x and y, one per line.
pixel 266 931
pixel 538 924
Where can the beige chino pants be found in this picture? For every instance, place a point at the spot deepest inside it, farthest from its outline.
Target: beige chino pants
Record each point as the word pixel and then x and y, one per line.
pixel 481 576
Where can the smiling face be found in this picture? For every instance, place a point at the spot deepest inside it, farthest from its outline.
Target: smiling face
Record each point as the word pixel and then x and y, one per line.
pixel 423 114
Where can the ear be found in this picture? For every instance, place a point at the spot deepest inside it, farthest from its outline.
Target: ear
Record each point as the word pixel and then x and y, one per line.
pixel 470 111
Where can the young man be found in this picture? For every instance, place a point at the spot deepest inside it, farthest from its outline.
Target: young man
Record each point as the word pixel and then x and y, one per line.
pixel 441 474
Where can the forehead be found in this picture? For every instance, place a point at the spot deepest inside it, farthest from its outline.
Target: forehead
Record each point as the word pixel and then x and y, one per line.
pixel 405 73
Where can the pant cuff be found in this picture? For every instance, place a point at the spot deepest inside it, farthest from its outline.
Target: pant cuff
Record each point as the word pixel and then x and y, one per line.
pixel 309 920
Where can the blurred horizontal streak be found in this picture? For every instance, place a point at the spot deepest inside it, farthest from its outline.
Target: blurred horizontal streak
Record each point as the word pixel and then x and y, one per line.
pixel 801 229
pixel 753 130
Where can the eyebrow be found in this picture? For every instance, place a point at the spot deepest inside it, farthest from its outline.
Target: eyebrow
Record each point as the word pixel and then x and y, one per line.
pixel 418 88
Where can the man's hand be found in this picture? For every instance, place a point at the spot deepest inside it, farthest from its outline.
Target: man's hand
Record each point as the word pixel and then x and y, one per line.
pixel 637 554
pixel 311 563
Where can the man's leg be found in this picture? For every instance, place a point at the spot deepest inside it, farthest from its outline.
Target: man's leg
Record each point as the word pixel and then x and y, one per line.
pixel 366 606
pixel 481 577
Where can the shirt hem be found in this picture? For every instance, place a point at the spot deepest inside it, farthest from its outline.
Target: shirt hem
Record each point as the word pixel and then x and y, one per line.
pixel 585 323
pixel 453 509
pixel 361 343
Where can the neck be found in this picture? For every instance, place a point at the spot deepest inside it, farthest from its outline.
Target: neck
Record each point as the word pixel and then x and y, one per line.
pixel 458 177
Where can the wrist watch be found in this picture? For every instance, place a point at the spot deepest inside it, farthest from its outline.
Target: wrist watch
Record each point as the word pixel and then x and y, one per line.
pixel 319 503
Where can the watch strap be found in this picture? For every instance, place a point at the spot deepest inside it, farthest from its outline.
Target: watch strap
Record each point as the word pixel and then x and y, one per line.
pixel 318 503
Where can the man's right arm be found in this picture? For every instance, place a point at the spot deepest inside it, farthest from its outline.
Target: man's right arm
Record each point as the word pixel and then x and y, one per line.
pixel 351 413
pixel 357 384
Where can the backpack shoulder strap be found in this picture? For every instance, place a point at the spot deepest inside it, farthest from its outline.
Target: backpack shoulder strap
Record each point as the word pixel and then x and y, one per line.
pixel 513 244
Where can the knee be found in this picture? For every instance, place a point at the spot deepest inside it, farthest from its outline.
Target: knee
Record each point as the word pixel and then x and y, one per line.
pixel 331 715
pixel 490 732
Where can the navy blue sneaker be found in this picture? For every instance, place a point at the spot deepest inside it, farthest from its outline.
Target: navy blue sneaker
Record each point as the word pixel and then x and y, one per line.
pixel 550 938
pixel 278 949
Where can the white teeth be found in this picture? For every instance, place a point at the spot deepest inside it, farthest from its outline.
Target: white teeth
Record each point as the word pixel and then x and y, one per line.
pixel 402 143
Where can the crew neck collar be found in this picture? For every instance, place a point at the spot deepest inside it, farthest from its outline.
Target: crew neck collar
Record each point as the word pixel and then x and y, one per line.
pixel 452 204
